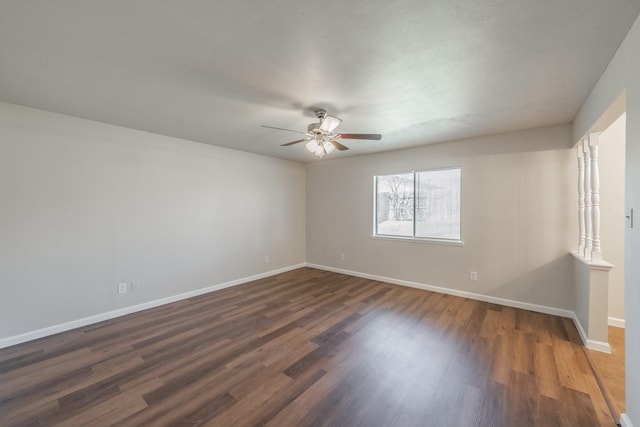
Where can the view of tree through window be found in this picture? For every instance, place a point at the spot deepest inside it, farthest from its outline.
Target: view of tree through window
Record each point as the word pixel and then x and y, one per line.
pixel 419 204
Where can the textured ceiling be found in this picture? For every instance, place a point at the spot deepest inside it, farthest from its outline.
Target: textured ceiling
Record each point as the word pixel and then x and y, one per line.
pixel 213 71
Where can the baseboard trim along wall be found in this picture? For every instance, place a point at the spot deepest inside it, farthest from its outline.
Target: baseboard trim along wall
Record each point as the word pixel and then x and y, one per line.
pixel 62 327
pixel 614 321
pixel 464 294
pixel 625 421
pixel 591 344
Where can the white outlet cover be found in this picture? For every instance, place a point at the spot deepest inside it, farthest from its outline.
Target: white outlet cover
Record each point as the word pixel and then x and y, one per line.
pixel 122 288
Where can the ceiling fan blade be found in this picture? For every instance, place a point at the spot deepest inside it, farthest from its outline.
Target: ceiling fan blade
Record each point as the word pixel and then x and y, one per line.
pixel 375 136
pixel 295 142
pixel 329 123
pixel 338 145
pixel 288 130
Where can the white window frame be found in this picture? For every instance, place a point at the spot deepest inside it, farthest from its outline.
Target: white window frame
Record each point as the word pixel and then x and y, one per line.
pixel 436 240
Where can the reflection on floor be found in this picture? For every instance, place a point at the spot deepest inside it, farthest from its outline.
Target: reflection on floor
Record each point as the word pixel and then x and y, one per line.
pixel 610 370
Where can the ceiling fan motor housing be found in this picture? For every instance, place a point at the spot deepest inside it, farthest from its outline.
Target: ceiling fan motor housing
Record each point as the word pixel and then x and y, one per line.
pixel 314 128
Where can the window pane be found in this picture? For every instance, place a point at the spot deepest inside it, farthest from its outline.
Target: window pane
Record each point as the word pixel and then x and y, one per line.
pixel 394 205
pixel 438 204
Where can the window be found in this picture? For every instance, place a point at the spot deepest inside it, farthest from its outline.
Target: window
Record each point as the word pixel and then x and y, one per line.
pixel 418 205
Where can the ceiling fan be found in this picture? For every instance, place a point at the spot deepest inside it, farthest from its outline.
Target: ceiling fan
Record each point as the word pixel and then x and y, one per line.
pixel 321 138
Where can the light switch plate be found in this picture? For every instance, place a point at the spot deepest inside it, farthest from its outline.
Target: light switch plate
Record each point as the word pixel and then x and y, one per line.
pixel 122 288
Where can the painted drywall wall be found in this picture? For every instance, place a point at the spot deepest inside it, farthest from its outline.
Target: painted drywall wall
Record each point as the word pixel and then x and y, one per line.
pixel 582 296
pixel 621 76
pixel 85 205
pixel 518 217
pixel 611 165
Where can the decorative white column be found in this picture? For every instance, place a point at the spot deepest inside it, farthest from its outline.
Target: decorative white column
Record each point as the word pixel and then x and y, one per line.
pixel 588 233
pixel 596 251
pixel 581 234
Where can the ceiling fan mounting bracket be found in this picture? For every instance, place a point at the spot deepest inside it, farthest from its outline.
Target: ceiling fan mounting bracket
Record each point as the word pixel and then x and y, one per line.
pixel 321 113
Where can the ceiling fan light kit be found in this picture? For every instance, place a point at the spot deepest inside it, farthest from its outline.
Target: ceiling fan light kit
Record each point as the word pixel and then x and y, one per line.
pixel 319 147
pixel 320 138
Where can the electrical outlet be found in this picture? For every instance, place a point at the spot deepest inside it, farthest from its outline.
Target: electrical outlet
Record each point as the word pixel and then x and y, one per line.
pixel 122 288
pixel 473 275
pixel 341 257
pixel 266 259
pixel 134 287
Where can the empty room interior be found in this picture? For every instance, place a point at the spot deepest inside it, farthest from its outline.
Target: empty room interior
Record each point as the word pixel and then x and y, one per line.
pixel 296 213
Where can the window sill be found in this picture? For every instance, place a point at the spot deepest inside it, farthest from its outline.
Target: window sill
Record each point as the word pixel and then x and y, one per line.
pixel 447 242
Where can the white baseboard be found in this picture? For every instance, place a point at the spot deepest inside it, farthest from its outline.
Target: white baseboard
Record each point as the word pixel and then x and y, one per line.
pixel 62 327
pixel 590 344
pixel 581 331
pixel 464 294
pixel 625 421
pixel 614 321
pixel 601 346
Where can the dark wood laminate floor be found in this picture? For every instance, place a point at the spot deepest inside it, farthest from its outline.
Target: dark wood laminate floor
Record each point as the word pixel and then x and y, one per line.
pixel 308 348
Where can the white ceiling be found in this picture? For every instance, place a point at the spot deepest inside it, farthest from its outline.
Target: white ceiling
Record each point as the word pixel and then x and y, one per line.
pixel 213 71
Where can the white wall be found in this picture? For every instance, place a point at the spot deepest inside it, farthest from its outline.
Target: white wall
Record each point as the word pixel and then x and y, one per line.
pixel 622 75
pixel 591 308
pixel 518 217
pixel 85 205
pixel 611 165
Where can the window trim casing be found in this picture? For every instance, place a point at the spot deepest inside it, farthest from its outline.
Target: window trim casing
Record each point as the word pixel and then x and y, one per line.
pixel 414 239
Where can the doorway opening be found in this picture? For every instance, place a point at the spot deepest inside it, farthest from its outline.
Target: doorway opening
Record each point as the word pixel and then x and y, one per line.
pixel 609 368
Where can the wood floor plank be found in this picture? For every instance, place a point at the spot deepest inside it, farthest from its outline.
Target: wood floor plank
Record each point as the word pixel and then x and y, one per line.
pixel 308 348
pixel 546 372
pixel 116 409
pixel 609 369
pixel 501 361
